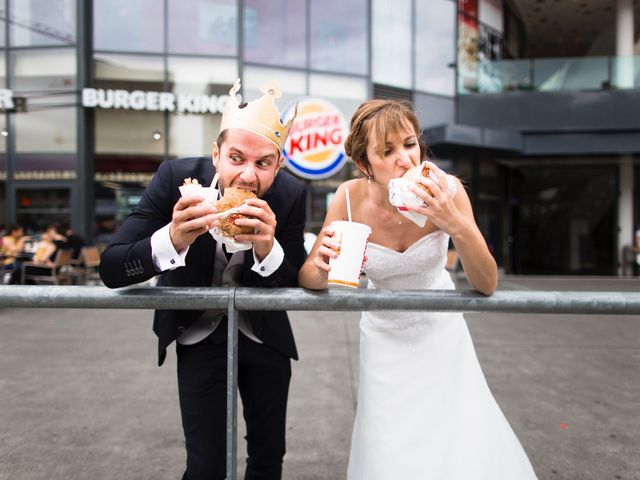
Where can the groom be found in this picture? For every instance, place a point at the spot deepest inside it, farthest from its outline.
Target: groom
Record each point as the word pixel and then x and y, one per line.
pixel 167 235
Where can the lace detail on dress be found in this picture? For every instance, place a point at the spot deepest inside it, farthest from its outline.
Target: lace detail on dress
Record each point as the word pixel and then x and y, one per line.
pixel 421 266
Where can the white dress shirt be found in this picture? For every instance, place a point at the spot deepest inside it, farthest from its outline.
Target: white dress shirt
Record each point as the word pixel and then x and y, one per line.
pixel 226 274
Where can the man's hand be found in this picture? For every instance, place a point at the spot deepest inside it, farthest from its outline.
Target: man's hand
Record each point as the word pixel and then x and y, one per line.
pixel 192 217
pixel 263 220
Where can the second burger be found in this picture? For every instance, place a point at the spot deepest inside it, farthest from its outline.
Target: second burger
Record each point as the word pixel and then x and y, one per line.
pixel 228 205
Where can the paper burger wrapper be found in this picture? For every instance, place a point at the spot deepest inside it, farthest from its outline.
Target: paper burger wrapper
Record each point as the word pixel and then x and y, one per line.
pixel 402 197
pixel 210 194
pixel 230 244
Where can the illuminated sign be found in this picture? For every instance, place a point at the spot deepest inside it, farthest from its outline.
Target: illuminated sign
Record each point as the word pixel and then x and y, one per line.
pixel 153 101
pixel 315 145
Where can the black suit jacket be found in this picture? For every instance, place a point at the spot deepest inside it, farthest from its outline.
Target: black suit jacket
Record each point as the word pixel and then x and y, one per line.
pixel 127 260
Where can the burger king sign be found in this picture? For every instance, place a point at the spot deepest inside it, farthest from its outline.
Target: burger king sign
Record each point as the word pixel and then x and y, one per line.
pixel 315 146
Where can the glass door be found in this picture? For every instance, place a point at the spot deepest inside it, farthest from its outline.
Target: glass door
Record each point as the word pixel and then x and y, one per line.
pixel 562 220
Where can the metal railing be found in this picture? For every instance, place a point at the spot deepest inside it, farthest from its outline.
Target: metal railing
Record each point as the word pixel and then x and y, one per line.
pixel 239 298
pixel 556 74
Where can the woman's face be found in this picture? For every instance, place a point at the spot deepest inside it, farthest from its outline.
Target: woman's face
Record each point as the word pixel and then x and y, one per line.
pixel 401 152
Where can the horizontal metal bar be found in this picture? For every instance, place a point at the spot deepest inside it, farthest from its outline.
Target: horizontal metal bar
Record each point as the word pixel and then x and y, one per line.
pixel 178 298
pixel 158 298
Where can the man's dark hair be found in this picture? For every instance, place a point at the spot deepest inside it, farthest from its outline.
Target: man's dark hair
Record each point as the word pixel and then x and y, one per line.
pixel 221 138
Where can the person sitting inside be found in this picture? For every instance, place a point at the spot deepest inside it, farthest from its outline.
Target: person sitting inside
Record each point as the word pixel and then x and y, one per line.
pixel 44 256
pixel 13 246
pixel 67 239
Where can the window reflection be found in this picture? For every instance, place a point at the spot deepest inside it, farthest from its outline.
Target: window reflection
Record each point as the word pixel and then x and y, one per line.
pixel 45 124
pixel 42 22
pixel 435 47
pixel 391 60
pixel 344 92
pixel 128 25
pixel 339 36
pixel 3 152
pixel 3 25
pixel 203 26
pixel 274 32
pixel 192 134
pixel 128 140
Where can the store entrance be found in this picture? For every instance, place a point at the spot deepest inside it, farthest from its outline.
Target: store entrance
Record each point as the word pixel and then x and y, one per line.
pixel 562 219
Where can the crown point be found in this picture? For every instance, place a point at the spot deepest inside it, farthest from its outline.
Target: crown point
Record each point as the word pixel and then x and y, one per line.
pixel 272 89
pixel 235 88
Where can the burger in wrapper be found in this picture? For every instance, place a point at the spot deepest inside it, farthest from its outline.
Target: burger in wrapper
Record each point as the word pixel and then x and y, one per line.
pixel 401 196
pixel 228 206
pixel 413 174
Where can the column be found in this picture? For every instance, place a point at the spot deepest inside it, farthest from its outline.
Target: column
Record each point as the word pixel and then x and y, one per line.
pixel 83 216
pixel 623 66
pixel 625 206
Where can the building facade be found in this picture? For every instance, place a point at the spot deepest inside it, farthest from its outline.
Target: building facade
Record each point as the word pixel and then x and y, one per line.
pixel 531 104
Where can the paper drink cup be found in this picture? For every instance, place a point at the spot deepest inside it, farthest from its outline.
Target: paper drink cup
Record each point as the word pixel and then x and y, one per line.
pixel 351 238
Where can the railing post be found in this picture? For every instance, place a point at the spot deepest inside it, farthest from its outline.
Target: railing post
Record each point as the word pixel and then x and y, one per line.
pixel 232 386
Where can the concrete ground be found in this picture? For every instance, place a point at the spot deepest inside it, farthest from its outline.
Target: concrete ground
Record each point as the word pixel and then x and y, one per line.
pixel 81 397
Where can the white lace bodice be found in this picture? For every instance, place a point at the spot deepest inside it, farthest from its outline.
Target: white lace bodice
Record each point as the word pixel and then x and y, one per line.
pixel 421 266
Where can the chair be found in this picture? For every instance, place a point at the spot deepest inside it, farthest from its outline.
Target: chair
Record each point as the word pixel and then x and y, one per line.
pixel 5 271
pixel 52 274
pixel 85 269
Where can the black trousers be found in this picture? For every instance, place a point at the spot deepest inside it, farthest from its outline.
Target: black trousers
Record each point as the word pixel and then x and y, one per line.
pixel 263 382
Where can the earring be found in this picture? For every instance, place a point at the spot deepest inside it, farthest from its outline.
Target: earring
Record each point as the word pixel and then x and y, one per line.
pixel 369 179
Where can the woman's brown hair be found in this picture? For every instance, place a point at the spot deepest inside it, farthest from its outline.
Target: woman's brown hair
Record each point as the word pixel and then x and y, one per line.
pixel 380 118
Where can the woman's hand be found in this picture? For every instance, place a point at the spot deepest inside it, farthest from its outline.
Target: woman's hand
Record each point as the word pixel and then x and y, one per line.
pixel 326 249
pixel 440 207
pixel 314 274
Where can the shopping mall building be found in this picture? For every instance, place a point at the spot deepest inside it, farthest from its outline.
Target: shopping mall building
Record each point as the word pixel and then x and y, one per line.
pixel 532 103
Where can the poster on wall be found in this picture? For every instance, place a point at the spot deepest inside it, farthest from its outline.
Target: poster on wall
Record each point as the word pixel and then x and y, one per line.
pixel 467 45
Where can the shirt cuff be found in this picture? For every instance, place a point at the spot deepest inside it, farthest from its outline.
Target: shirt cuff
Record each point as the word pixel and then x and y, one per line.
pixel 163 254
pixel 271 262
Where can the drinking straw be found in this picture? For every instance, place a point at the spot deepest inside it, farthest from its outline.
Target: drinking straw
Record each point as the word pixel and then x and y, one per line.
pixel 346 189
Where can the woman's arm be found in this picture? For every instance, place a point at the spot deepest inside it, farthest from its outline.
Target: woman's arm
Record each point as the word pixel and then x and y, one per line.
pixel 453 214
pixel 314 271
pixel 478 263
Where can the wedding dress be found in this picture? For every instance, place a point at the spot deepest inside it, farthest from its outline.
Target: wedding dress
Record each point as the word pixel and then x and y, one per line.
pixel 424 408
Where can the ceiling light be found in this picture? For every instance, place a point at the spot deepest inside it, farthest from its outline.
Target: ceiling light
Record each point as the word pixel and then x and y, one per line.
pixel 157 135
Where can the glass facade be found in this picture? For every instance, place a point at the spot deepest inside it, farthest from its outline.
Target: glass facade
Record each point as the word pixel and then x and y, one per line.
pixel 339 32
pixel 35 23
pixel 160 69
pixel 45 131
pixel 128 25
pixel 392 39
pixel 275 33
pixel 203 27
pixel 192 134
pixel 434 67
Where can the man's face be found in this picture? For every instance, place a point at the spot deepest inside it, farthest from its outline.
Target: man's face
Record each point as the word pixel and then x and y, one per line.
pixel 246 160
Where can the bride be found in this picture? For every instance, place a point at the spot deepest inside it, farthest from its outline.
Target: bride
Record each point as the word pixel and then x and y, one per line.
pixel 424 408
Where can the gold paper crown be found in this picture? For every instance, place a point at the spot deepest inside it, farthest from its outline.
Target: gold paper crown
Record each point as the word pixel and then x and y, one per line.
pixel 260 116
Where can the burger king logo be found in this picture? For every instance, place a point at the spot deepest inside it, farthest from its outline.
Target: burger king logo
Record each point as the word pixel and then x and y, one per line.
pixel 315 145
